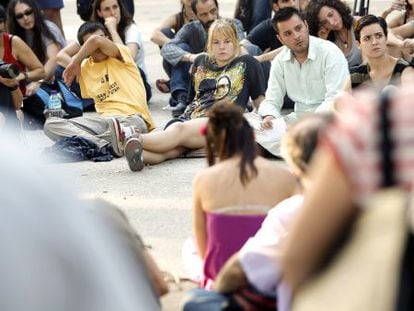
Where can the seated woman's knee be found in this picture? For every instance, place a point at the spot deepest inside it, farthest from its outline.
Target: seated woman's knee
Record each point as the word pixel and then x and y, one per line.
pixel 177 126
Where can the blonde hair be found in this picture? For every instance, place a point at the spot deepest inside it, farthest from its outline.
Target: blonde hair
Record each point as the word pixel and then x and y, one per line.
pixel 227 29
pixel 301 140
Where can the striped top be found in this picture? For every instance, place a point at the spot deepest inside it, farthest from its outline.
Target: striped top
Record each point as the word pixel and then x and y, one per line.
pixel 354 139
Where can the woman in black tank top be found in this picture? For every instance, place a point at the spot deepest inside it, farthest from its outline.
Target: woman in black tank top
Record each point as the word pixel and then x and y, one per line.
pixel 380 68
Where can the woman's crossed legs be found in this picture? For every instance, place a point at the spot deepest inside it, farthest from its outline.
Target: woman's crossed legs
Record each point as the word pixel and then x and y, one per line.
pixel 174 141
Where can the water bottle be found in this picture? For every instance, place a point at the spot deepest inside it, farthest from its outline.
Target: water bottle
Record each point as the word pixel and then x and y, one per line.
pixel 54 106
pixel 54 102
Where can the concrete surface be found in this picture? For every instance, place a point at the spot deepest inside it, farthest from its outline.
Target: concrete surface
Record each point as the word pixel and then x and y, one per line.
pixel 158 199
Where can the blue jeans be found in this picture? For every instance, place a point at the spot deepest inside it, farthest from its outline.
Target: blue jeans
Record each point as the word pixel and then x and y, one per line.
pixel 203 300
pixel 179 74
pixel 261 11
pixel 169 34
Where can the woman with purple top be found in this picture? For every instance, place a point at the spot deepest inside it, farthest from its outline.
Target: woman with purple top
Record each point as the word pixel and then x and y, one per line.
pixel 231 197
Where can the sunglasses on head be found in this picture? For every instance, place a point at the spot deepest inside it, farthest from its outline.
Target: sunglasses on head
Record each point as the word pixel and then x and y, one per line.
pixel 25 13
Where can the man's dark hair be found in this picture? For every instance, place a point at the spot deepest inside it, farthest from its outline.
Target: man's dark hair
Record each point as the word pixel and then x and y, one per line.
pixel 194 4
pixel 89 27
pixel 283 15
pixel 369 20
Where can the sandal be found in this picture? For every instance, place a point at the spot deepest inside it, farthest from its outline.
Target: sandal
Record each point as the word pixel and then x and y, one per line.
pixel 163 85
pixel 194 153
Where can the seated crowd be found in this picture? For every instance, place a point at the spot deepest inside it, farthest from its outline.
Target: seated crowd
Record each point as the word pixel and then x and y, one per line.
pixel 281 180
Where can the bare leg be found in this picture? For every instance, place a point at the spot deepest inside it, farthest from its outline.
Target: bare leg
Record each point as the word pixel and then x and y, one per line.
pixel 180 134
pixel 156 158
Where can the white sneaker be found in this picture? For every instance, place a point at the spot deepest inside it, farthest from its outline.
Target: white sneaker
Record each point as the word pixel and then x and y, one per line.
pixel 133 152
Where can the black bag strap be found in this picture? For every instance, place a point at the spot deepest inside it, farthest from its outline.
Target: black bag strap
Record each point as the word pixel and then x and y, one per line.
pixel 387 146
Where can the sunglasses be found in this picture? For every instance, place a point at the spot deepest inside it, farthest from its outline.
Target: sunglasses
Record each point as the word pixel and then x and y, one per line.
pixel 25 13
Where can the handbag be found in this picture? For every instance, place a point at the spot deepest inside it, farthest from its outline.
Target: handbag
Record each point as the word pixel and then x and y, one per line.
pixel 363 274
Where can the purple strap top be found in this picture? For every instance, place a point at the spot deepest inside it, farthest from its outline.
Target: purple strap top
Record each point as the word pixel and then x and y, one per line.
pixel 226 235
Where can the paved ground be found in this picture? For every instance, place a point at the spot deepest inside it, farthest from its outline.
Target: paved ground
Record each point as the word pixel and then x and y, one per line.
pixel 158 199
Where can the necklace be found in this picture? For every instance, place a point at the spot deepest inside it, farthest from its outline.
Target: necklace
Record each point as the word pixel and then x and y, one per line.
pixel 344 42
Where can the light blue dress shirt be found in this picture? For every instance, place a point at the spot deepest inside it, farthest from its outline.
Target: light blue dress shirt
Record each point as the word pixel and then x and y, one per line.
pixel 312 85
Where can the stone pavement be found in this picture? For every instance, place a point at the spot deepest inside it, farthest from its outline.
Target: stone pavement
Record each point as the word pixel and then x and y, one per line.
pixel 158 199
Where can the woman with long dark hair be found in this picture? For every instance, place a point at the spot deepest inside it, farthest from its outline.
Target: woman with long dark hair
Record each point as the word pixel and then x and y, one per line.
pixel 14 51
pixel 44 38
pixel 332 20
pixel 232 196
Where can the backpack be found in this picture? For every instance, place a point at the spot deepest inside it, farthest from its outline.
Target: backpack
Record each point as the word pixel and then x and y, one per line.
pixel 34 105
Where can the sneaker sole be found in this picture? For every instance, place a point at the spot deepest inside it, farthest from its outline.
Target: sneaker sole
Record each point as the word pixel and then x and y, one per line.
pixel 116 136
pixel 133 154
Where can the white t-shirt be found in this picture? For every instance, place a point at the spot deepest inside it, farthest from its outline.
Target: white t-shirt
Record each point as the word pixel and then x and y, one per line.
pixel 54 29
pixel 132 35
pixel 260 255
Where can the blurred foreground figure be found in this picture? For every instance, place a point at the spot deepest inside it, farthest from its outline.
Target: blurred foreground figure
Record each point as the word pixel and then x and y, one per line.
pixel 60 253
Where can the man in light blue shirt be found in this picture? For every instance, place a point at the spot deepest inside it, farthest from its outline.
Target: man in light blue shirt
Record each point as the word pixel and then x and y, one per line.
pixel 311 71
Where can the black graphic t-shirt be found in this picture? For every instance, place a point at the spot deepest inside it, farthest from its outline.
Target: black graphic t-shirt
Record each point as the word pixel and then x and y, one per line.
pixel 239 80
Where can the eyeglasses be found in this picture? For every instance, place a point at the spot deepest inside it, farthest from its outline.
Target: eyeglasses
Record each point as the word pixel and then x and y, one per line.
pixel 25 13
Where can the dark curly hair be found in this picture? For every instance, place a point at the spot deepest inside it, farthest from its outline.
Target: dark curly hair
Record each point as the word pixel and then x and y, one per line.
pixel 40 28
pixel 229 134
pixel 124 22
pixel 314 8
